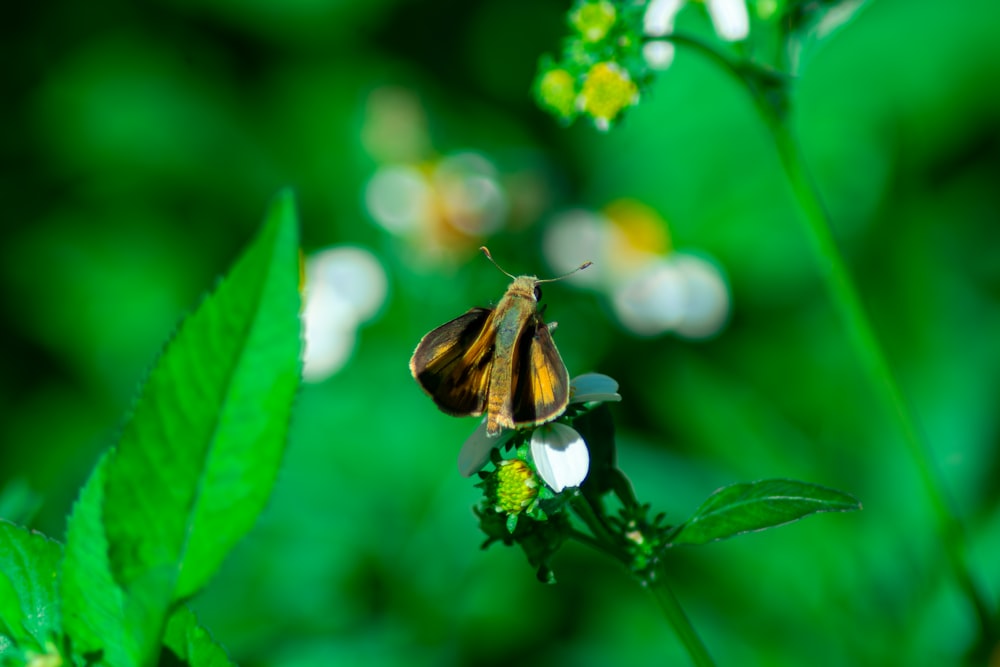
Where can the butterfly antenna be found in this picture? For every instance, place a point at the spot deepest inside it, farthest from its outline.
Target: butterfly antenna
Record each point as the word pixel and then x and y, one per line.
pixel 567 275
pixel 486 251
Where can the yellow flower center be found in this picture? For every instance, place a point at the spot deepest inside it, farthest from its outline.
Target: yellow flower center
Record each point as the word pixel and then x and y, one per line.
pixel 557 91
pixel 593 20
pixel 606 91
pixel 516 486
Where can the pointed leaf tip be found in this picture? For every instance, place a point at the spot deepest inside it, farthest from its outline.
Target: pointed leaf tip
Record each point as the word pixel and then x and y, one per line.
pixel 200 453
pixel 754 506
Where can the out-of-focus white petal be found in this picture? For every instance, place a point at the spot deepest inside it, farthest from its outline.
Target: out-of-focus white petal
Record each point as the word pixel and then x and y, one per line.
pixel 730 18
pixel 593 387
pixel 573 237
pixel 344 287
pixel 560 456
pixel 355 274
pixel 470 194
pixel 659 54
pixel 707 297
pixel 476 449
pixel 399 198
pixel 652 301
pixel 329 326
pixel 659 17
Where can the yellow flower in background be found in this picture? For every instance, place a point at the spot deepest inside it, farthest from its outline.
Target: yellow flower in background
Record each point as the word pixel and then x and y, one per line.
pixel 651 288
pixel 607 90
pixel 557 92
pixel 593 20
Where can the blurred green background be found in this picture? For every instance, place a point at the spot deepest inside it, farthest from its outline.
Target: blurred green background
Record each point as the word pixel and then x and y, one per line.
pixel 143 141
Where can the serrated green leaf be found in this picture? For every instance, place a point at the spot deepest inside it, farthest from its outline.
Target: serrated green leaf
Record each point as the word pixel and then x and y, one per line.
pixel 753 506
pixel 198 458
pixel 193 644
pixel 29 602
pixel 93 603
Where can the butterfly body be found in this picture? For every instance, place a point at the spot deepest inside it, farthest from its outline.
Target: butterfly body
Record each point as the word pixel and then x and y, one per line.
pixel 500 361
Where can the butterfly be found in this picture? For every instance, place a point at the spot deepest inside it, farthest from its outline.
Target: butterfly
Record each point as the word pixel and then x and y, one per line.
pixel 500 361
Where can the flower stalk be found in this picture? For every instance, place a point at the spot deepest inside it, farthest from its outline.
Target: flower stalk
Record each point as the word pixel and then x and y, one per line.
pixel 679 621
pixel 770 96
pixel 844 295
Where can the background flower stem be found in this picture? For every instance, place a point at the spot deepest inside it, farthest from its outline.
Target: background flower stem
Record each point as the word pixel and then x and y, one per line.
pixel 846 300
pixel 770 92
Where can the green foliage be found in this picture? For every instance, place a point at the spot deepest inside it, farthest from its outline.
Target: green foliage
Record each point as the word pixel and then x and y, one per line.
pixel 193 468
pixel 191 643
pixel 146 141
pixel 753 506
pixel 200 453
pixel 29 601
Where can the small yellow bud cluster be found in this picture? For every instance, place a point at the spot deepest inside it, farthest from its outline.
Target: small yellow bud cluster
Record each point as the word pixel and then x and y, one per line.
pixel 607 90
pixel 516 486
pixel 557 92
pixel 593 20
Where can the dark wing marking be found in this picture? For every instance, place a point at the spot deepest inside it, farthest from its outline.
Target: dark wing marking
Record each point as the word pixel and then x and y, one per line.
pixel 452 363
pixel 541 381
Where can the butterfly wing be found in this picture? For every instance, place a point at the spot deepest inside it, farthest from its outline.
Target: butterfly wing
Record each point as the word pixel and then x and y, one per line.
pixel 452 363
pixel 541 381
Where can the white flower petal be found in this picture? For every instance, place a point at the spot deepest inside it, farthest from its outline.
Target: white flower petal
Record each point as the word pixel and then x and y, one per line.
pixel 593 387
pixel 707 302
pixel 659 17
pixel 651 301
pixel 659 54
pixel 730 18
pixel 560 456
pixel 476 449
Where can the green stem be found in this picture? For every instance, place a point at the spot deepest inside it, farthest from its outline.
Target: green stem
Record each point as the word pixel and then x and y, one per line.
pixel 845 297
pixel 596 545
pixel 604 541
pixel 770 94
pixel 679 621
pixel 597 526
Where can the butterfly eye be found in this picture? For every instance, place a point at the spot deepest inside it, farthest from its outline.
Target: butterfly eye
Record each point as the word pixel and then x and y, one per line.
pixel 538 293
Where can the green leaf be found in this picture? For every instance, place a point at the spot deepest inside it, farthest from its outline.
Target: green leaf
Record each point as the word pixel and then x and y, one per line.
pixel 810 25
pixel 29 602
pixel 198 458
pixel 191 643
pixel 751 506
pixel 93 604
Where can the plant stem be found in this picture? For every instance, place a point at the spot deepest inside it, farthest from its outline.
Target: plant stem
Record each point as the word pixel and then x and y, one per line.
pixel 604 541
pixel 679 621
pixel 845 297
pixel 769 90
pixel 596 525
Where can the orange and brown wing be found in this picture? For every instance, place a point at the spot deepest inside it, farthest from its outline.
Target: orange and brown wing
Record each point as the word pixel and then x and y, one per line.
pixel 452 363
pixel 541 380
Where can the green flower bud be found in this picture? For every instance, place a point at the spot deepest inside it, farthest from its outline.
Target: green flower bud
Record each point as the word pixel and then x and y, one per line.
pixel 557 92
pixel 593 20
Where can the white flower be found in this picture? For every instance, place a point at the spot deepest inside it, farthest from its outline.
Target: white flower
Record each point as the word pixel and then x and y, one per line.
pixel 345 286
pixel 659 17
pixel 557 454
pixel 476 450
pixel 591 387
pixel 560 454
pixel 729 17
pixel 683 293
